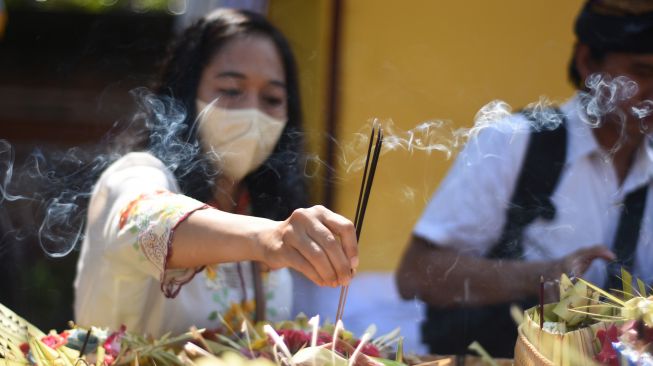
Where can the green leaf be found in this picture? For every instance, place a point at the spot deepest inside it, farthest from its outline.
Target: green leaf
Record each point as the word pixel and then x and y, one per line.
pixel 607 295
pixel 642 288
pixel 388 339
pixel 627 283
pixel 487 359
pixel 218 348
pixel 228 341
pixel 213 315
pixel 400 350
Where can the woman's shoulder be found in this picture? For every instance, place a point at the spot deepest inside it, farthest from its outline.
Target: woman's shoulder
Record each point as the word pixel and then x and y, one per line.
pixel 141 160
pixel 135 165
pixel 138 158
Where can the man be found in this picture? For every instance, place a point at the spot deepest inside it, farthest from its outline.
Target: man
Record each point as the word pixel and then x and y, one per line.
pixel 473 253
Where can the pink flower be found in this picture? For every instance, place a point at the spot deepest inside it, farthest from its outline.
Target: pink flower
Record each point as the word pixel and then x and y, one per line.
pixel 24 347
pixel 112 344
pixel 369 349
pixel 323 338
pixel 294 339
pixel 55 341
pixel 342 347
pixel 608 355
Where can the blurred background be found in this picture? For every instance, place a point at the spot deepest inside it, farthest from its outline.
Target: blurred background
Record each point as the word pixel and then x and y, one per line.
pixel 67 66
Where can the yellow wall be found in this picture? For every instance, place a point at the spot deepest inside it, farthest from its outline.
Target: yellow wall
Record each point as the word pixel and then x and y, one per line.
pixel 307 25
pixel 418 60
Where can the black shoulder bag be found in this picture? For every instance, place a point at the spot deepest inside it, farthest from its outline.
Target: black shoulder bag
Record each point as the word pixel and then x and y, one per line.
pixel 451 330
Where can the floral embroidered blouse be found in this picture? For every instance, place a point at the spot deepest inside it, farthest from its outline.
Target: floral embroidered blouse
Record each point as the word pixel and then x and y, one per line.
pixel 121 273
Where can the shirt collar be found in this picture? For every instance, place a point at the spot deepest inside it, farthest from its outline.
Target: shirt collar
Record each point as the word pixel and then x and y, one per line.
pixel 582 143
pixel 581 139
pixel 641 171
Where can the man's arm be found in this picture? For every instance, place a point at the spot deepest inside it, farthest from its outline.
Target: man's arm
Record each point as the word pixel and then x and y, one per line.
pixel 444 277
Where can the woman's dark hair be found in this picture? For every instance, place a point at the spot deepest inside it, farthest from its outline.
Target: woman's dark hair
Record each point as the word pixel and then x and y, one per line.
pixel 277 187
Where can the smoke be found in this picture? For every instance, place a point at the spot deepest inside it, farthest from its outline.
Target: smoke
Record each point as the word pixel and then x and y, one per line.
pixel 643 109
pixel 426 137
pixel 169 134
pixel 64 181
pixel 57 184
pixel 605 96
pixel 440 135
pixel 52 186
pixel 604 100
pixel 60 183
pixel 313 165
pixel 7 156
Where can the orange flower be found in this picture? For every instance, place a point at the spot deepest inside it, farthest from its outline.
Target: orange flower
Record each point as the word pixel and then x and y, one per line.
pixel 211 273
pixel 237 313
pixel 131 206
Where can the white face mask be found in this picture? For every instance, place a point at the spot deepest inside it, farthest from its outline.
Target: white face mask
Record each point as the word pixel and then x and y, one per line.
pixel 237 140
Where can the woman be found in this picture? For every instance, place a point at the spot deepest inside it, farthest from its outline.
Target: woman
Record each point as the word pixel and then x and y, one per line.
pixel 170 233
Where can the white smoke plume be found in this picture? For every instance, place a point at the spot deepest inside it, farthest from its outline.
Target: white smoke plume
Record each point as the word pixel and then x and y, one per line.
pixel 62 181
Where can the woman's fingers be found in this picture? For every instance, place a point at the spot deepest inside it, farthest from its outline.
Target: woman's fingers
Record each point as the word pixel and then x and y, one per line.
pixel 299 263
pixel 344 229
pixel 334 251
pixel 301 222
pixel 326 240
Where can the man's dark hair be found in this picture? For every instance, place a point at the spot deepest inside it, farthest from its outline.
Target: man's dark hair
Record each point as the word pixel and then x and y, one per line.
pixel 572 71
pixel 606 26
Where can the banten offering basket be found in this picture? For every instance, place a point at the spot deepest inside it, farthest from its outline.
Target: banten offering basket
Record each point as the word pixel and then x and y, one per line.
pixel 526 354
pixel 537 346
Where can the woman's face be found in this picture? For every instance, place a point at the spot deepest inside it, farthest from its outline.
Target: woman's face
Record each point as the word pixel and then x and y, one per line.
pixel 247 72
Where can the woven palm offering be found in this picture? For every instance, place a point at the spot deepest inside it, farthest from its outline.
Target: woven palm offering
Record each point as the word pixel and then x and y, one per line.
pixel 589 326
pixel 296 342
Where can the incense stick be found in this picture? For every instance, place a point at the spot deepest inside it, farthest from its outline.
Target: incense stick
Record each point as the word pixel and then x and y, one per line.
pixel 360 192
pixel 363 197
pixel 541 302
pixel 368 187
pixel 83 349
pixel 344 290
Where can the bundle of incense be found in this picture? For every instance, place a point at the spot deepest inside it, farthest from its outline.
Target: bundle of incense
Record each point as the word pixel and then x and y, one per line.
pixel 376 139
pixel 541 302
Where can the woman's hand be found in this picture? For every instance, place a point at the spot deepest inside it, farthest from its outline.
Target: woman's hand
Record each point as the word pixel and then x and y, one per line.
pixel 314 241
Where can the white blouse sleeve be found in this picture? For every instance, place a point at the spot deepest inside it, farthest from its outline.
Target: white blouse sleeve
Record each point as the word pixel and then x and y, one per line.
pixel 467 212
pixel 137 207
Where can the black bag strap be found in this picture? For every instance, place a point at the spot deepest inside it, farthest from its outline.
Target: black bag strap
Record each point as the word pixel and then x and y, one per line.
pixel 627 236
pixel 452 330
pixel 540 172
